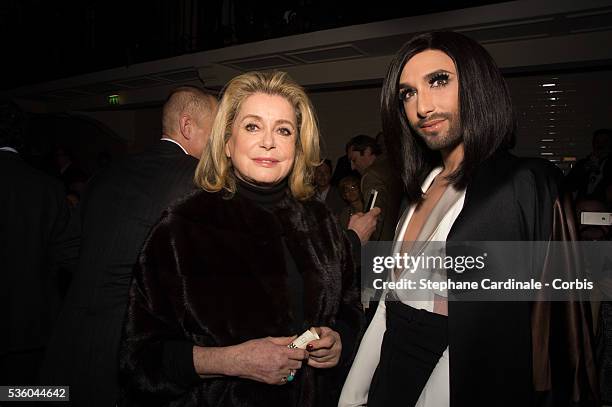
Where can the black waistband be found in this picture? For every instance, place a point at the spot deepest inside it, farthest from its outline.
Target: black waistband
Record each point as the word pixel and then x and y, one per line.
pixel 409 314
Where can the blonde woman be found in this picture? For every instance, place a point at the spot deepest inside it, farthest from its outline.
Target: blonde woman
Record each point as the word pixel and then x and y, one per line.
pixel 231 274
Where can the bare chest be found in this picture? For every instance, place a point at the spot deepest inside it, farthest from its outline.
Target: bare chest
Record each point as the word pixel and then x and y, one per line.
pixel 423 210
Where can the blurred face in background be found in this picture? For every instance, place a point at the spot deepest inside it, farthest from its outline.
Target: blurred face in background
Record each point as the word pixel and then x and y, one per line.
pixel 263 139
pixel 322 176
pixel 350 191
pixel 361 160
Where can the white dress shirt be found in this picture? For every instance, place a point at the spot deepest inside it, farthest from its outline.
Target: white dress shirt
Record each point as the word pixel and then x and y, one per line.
pixel 436 390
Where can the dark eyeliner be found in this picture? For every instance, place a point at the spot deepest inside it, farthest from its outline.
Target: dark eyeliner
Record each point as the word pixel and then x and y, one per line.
pixel 403 92
pixel 441 76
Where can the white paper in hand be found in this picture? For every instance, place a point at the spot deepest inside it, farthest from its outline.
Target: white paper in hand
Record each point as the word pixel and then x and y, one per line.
pixel 301 341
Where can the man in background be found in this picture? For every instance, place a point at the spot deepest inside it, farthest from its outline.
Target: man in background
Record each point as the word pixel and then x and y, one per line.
pixel 36 239
pixel 367 158
pixel 119 207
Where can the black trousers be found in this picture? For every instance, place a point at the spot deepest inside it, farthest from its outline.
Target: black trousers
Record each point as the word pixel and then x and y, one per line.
pixel 412 345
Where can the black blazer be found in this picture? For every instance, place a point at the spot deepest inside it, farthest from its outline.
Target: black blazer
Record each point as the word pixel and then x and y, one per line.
pixel 119 207
pixel 35 240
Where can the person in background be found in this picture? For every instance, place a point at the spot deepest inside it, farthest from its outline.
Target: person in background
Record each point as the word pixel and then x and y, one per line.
pixel 591 175
pixel 324 191
pixel 376 174
pixel 343 168
pixel 120 205
pixel 231 274
pixel 37 238
pixel 351 193
pixel 73 177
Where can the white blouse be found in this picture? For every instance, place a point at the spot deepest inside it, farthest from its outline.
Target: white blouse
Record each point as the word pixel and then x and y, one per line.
pixel 357 385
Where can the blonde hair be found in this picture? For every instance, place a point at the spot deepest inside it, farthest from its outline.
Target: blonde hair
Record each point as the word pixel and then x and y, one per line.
pixel 214 171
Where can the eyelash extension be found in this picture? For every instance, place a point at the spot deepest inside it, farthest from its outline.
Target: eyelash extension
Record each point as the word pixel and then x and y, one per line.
pixel 443 77
pixel 403 92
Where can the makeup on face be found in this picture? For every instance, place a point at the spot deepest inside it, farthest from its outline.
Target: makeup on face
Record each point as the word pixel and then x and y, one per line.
pixel 262 144
pixel 429 91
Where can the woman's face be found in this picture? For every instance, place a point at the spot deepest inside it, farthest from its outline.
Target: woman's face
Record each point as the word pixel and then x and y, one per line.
pixel 262 144
pixel 350 192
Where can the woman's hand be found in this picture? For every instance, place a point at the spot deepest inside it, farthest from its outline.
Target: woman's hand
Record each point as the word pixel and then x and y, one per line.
pixel 325 352
pixel 266 360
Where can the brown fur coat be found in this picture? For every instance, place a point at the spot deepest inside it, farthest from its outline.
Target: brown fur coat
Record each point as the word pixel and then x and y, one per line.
pixel 212 273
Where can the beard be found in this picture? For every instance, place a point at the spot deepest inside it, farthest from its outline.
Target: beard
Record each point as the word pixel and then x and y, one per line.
pixel 443 139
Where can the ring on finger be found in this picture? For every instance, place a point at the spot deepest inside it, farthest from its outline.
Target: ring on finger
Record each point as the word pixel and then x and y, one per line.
pixel 284 380
pixel 291 375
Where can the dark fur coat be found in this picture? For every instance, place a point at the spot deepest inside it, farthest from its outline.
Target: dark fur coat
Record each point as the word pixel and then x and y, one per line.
pixel 212 273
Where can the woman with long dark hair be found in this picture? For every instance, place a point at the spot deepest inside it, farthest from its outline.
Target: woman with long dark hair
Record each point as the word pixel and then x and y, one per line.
pixel 448 124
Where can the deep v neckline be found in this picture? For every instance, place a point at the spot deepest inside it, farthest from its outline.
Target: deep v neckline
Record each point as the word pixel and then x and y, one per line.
pixel 419 236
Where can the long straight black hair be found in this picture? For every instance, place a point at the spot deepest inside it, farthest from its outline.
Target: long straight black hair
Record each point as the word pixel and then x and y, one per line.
pixel 485 110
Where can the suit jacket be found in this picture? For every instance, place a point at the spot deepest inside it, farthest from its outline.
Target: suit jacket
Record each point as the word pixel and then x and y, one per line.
pixel 213 273
pixel 120 206
pixel 381 177
pixel 36 238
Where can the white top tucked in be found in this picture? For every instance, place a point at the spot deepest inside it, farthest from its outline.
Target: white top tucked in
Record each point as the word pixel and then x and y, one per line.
pixel 436 391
